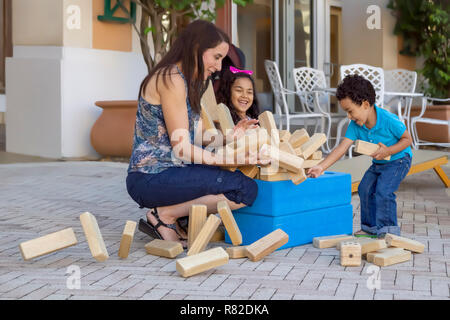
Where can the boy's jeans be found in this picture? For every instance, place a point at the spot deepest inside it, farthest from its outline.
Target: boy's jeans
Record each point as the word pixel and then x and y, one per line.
pixel 377 198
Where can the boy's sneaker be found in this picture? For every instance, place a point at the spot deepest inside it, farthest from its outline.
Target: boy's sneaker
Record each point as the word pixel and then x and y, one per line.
pixel 363 234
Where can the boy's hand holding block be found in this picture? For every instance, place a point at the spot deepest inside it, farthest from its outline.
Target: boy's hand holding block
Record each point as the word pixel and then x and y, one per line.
pixel 47 244
pixel 367 148
pixel 127 239
pixel 205 235
pixel 405 243
pixel 266 245
pixel 229 222
pixel 164 248
pixel 94 237
pixel 202 261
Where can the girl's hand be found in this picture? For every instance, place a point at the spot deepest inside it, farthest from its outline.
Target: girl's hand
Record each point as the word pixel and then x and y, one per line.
pixel 315 171
pixel 244 125
pixel 382 152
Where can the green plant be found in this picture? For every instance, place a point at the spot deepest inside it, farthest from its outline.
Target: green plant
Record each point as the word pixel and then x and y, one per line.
pixel 424 26
pixel 163 17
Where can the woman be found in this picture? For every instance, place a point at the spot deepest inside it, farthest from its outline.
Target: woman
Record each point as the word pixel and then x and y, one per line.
pixel 169 175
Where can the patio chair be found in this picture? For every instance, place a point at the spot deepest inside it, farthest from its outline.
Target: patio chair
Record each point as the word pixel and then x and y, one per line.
pixel 414 120
pixel 280 102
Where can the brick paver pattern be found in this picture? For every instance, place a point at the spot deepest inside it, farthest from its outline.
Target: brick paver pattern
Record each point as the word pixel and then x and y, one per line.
pixel 40 198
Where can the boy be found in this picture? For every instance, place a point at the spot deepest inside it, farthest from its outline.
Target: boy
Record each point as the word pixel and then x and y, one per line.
pixel 370 123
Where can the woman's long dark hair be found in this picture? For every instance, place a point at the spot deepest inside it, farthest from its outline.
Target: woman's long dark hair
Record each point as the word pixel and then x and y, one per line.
pixel 224 95
pixel 188 48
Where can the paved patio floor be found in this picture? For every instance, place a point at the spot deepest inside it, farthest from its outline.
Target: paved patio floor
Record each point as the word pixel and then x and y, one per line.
pixel 40 198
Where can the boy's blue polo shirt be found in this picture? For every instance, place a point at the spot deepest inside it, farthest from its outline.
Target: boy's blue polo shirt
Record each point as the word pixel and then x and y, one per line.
pixel 387 130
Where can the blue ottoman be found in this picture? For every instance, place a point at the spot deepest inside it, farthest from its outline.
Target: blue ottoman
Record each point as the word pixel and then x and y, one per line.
pixel 314 208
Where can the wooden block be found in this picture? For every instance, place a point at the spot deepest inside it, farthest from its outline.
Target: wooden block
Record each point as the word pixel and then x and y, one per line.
pixel 164 248
pixel 94 237
pixel 237 252
pixel 266 245
pixel 47 244
pixel 350 254
pixel 219 234
pixel 298 177
pixel 405 243
pixel 311 163
pixel 229 222
pixel 317 155
pixel 127 239
pixel 209 102
pixel 367 148
pixel 370 255
pixel 280 176
pixel 298 138
pixel 284 135
pixel 367 244
pixel 202 261
pixel 267 121
pixel 197 218
pixel 286 147
pixel 316 141
pixel 250 171
pixel 330 241
pixel 391 257
pixel 205 235
pixel 208 123
pixel 225 119
pixel 285 160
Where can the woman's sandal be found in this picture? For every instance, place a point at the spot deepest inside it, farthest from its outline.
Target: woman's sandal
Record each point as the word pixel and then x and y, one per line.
pixel 152 231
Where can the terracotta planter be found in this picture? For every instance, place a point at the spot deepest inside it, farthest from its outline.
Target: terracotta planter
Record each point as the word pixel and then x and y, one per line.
pixel 112 133
pixel 433 132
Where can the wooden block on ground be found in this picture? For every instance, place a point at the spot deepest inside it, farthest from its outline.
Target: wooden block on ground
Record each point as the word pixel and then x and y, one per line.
pixel 197 218
pixel 164 248
pixel 267 244
pixel 317 155
pixel 284 135
pixel 219 234
pixel 367 244
pixel 267 121
pixel 237 252
pixel 225 119
pixel 47 244
pixel 202 261
pixel 370 255
pixel 298 138
pixel 94 237
pixel 229 222
pixel 330 241
pixel 127 239
pixel 316 141
pixel 367 148
pixel 250 171
pixel 311 163
pixel 350 254
pixel 405 243
pixel 205 235
pixel 391 257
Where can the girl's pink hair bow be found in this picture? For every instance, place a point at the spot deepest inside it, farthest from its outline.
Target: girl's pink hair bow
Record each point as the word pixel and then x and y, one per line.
pixel 236 70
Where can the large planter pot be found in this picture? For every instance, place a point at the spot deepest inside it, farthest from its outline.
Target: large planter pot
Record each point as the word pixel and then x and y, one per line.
pixel 433 132
pixel 112 133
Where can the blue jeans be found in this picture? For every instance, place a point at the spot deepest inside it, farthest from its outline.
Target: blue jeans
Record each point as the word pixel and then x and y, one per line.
pixel 377 198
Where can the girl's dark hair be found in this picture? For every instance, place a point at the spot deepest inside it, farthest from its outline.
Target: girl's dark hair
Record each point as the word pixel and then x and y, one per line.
pixel 223 94
pixel 357 89
pixel 188 48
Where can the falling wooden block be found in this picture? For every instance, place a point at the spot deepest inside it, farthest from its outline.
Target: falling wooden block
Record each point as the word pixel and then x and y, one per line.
pixel 284 135
pixel 164 248
pixel 317 155
pixel 225 119
pixel 298 138
pixel 405 243
pixel 197 218
pixel 202 261
pixel 205 235
pixel 390 257
pixel 370 255
pixel 266 245
pixel 316 141
pixel 237 252
pixel 267 121
pixel 367 244
pixel 285 160
pixel 330 241
pixel 250 171
pixel 311 163
pixel 127 239
pixel 47 244
pixel 367 148
pixel 229 222
pixel 94 237
pixel 350 254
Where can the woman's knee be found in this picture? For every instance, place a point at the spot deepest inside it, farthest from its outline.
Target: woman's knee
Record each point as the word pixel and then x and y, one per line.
pixel 244 191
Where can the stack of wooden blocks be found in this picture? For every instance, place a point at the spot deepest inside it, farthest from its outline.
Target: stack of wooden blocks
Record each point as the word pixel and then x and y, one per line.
pixel 391 250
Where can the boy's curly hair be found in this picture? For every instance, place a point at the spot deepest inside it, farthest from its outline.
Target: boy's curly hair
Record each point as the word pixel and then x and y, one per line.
pixel 357 89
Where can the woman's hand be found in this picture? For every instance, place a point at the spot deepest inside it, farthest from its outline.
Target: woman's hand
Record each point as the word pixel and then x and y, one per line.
pixel 315 171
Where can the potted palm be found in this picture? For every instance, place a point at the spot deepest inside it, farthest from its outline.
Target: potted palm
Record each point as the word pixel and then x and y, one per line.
pixel 159 24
